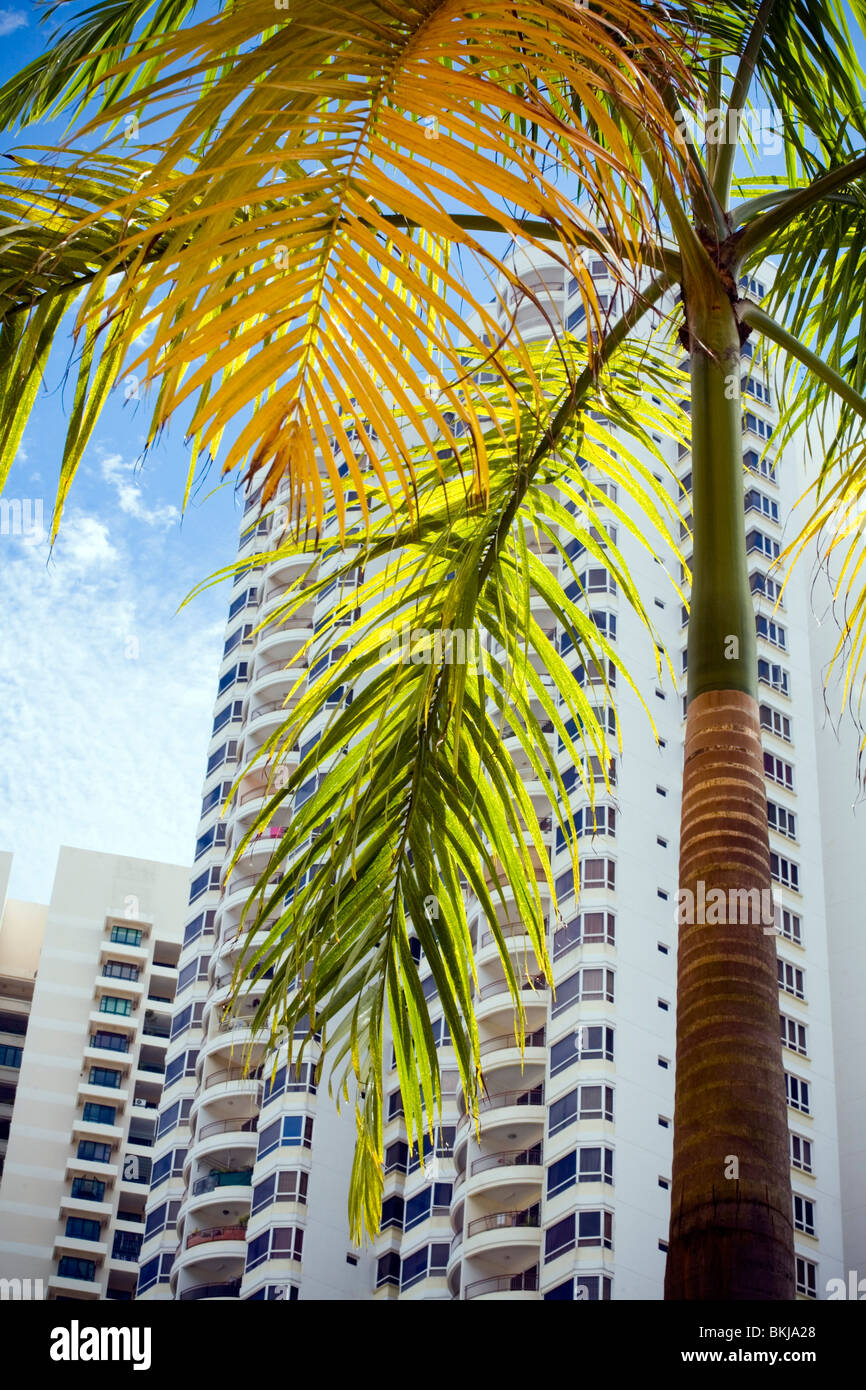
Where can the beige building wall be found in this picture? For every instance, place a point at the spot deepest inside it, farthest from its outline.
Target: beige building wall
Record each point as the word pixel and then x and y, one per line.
pixel 98 1026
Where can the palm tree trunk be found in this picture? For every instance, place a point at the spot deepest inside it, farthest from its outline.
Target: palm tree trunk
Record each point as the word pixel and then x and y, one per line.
pixel 731 1210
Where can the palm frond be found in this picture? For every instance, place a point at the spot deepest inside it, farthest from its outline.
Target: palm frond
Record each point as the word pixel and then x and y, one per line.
pixel 435 774
pixel 307 259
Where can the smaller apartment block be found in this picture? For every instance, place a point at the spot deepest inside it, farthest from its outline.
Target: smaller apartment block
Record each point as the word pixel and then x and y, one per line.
pixel 87 986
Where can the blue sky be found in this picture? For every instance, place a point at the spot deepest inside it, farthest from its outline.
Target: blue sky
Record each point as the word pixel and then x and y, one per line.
pixel 107 690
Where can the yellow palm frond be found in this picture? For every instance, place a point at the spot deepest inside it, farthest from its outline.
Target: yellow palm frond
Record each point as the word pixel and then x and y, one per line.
pixel 296 229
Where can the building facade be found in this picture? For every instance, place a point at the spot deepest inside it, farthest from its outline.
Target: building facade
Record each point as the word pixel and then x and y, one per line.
pixel 87 987
pixel 565 1192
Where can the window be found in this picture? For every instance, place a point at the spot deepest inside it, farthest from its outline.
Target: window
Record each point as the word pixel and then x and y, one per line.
pixel 793 1034
pixel 801 1153
pixel 771 631
pixel 116 970
pixel 234 675
pixel 104 1076
pixel 298 1077
pixel 791 978
pixel 126 936
pixel 170 1165
pixel 397 1157
pixel 112 1004
pixel 177 1114
pixel 92 1152
pixel 109 1042
pixel 586 927
pixel 664 1063
pixel 161 1218
pixel 190 1017
pixel 789 925
pixel 236 638
pixel 430 1261
pixel 665 1184
pixel 663 1005
pixel 88 1189
pixel 99 1114
pixel 763 465
pixel 232 713
pixel 759 543
pixel 756 388
pixel 762 428
pixel 583 984
pixel 210 879
pixel 10 1056
pixel 80 1228
pixel 588 820
pixel 126 1245
pixel 783 821
pixel 761 583
pixel 807 1277
pixel 583 1103
pixel 71 1268
pixel 581 1229
pixel 202 925
pixel 287 1186
pixel 388 1269
pixel 758 502
pixel 804 1215
pixel 664 1122
pixel 582 1165
pixel 797 1093
pixel 775 723
pixel 772 675
pixel 588 1043
pixel 291 1131
pixel 278 1243
pixel 193 970
pixel 785 871
pixel 590 672
pixel 589 1288
pixel 211 839
pixel 598 873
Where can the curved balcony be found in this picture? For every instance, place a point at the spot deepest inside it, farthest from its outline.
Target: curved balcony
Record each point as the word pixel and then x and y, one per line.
pixel 215 1233
pixel 273 678
pixel 516 943
pixel 504 1242
pixel 517 1287
pixel 503 1051
pixel 508 1178
pixel 520 1113
pixel 494 1002
pixel 230 1093
pixel 230 1289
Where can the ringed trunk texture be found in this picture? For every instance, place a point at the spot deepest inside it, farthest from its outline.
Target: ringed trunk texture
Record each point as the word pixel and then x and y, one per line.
pixel 731 1236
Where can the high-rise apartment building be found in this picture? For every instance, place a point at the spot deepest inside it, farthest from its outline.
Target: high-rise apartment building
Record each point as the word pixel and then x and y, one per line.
pixel 87 988
pixel 565 1193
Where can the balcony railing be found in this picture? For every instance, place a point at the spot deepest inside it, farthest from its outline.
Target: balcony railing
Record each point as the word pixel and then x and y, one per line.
pixel 500 1099
pixel 514 1158
pixel 227 1127
pixel 499 1220
pixel 538 984
pixel 528 1281
pixel 216 1233
pixel 220 1078
pixel 230 1290
pixel 238 1177
pixel 504 1040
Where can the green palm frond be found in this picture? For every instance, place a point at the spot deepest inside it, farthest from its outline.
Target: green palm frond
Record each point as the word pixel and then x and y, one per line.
pixel 436 774
pixel 298 257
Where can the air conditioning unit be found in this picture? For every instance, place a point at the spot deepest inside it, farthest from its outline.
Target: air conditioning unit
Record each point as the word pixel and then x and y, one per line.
pixel 140 1102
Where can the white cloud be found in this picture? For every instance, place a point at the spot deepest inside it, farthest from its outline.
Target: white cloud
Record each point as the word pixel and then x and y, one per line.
pixel 83 544
pixel 130 495
pixel 10 20
pixel 108 700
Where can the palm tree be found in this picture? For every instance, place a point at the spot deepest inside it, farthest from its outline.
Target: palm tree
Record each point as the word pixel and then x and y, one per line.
pixel 285 211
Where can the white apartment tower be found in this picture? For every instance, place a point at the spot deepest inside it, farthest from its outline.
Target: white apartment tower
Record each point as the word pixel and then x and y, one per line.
pixel 565 1194
pixel 86 993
